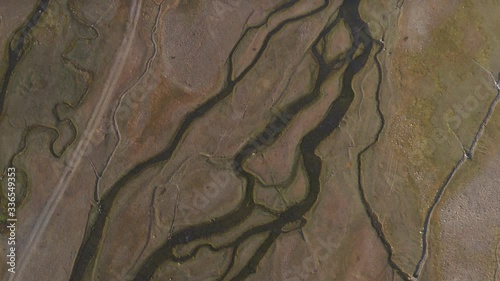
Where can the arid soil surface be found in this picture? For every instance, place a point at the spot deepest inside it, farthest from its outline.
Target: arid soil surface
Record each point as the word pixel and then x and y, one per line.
pixel 250 140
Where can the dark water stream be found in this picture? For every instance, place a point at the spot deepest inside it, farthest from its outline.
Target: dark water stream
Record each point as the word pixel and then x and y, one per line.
pixel 17 47
pixel 308 145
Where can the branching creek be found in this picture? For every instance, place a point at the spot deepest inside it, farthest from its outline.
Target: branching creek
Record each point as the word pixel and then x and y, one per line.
pixel 362 46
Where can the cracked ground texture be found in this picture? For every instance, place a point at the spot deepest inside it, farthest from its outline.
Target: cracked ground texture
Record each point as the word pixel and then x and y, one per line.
pixel 251 140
